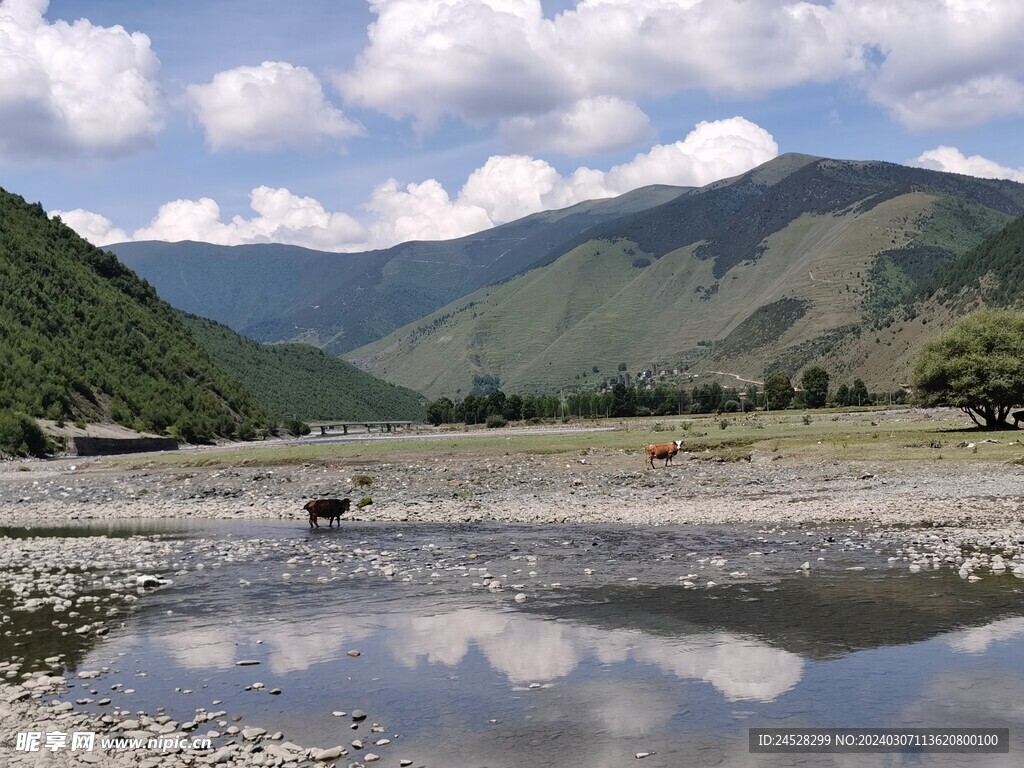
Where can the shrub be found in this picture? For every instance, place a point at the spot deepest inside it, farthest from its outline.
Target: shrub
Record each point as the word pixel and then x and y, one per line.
pixel 723 423
pixel 246 431
pixel 21 436
pixel 731 406
pixel 361 481
pixel 296 428
pixel 496 420
pixel 364 502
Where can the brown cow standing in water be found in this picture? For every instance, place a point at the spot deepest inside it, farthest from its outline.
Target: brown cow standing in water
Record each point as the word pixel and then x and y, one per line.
pixel 332 509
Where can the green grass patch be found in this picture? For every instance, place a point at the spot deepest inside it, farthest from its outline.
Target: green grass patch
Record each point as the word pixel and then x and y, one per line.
pixel 832 435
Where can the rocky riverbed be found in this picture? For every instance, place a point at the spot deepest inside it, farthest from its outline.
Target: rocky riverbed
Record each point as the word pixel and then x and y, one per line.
pixel 593 487
pixel 964 517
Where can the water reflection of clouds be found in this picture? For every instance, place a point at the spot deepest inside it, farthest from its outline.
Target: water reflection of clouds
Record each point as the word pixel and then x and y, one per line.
pixel 201 648
pixel 525 649
pixel 291 646
pixel 528 649
pixel 978 639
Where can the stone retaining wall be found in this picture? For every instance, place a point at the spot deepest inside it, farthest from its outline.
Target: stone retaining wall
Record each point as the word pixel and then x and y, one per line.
pixel 101 446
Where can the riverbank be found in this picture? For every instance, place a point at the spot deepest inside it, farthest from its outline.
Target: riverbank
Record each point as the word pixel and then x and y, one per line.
pixel 947 506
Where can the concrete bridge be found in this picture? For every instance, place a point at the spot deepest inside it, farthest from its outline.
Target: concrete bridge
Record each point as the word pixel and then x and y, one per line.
pixel 384 426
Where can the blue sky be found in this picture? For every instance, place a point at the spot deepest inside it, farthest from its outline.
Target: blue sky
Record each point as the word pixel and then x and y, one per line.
pixel 347 125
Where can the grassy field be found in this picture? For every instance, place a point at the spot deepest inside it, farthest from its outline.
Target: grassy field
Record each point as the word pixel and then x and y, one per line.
pixel 812 436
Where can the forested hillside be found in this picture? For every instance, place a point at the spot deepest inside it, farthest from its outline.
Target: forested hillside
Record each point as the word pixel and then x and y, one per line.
pixel 83 338
pixel 299 381
pixel 995 269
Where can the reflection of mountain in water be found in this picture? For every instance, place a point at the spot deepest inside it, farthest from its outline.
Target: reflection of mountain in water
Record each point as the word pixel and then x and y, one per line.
pixel 820 616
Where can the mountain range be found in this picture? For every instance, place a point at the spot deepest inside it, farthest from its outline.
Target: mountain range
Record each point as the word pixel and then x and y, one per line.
pixel 800 260
pixel 342 301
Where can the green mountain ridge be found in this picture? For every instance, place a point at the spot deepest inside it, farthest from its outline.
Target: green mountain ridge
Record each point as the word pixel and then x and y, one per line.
pixel 85 338
pixel 761 273
pixel 299 381
pixel 340 301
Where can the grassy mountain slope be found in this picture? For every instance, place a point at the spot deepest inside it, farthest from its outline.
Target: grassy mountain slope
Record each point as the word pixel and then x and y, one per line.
pixel 84 338
pixel 764 272
pixel 990 274
pixel 341 301
pixel 299 381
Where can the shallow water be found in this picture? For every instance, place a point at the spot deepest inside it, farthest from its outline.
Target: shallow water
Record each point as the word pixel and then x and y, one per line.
pixel 590 669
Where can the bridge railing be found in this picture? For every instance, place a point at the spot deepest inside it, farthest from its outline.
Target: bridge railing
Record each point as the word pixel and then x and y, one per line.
pixel 383 426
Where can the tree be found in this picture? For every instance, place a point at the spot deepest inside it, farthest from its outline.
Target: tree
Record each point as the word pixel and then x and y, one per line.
pixel 707 397
pixel 976 366
pixel 814 383
pixel 496 403
pixel 859 393
pixel 778 391
pixel 441 411
pixel 513 410
pixel 623 401
pixel 484 384
pixel 843 395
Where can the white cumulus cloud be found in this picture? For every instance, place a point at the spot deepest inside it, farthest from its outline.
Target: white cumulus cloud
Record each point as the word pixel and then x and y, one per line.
pixel 938 63
pixel 505 188
pixel 952 160
pixel 272 105
pixel 189 220
pixel 713 150
pixel 421 211
pixel 590 126
pixel 73 88
pixel 281 218
pixel 97 229
pixel 929 63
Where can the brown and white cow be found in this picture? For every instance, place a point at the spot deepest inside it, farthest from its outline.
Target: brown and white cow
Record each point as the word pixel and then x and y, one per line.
pixel 332 509
pixel 664 451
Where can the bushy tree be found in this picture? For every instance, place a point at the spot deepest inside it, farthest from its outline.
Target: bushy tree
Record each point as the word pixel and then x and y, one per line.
pixel 441 411
pixel 484 384
pixel 779 391
pixel 977 366
pixel 859 394
pixel 20 435
pixel 814 384
pixel 843 395
pixel 513 410
pixel 707 397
